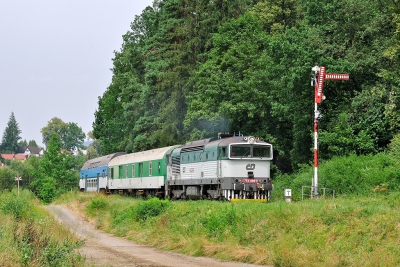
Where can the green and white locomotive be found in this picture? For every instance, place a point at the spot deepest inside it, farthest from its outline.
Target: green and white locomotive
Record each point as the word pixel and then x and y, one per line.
pixel 226 168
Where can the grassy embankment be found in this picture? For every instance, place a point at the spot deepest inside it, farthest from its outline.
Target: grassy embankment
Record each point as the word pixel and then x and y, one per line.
pixel 345 231
pixel 29 236
pixel 361 227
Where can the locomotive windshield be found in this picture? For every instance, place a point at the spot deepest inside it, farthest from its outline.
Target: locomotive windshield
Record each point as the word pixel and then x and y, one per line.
pixel 250 151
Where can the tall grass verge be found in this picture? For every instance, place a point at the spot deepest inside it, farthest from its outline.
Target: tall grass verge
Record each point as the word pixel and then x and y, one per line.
pixel 345 231
pixel 30 237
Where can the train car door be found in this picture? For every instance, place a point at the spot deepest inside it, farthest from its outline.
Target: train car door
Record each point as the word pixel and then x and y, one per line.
pixel 98 182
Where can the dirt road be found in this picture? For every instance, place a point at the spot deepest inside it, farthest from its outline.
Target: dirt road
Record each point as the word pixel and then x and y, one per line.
pixel 102 249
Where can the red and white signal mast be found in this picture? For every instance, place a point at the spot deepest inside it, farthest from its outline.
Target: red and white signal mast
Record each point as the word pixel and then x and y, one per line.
pixel 318 82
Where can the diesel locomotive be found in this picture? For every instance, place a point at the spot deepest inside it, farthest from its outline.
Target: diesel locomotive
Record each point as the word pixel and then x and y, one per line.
pixel 227 167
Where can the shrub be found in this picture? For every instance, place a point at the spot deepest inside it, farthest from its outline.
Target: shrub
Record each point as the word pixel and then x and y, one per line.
pixel 17 206
pixel 358 175
pixel 96 205
pixel 150 208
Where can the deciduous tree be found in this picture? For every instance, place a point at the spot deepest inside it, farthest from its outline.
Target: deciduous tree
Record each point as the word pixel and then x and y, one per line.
pixel 55 173
pixel 70 134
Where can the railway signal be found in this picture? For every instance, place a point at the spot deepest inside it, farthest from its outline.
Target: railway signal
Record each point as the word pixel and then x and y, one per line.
pixel 317 81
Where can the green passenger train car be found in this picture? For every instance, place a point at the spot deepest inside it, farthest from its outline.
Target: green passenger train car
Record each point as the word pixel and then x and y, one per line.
pixel 140 173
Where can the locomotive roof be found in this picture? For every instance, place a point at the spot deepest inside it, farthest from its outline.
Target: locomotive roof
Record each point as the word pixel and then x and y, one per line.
pixel 100 161
pixel 236 139
pixel 147 155
pixel 211 143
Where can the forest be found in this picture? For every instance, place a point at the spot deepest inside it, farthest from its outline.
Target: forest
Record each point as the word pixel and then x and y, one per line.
pixel 189 69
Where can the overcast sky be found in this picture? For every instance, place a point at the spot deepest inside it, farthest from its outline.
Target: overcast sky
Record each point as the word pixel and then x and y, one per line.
pixel 55 59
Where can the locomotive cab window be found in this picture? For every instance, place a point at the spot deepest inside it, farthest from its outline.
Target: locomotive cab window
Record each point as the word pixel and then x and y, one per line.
pixel 240 151
pixel 247 151
pixel 261 151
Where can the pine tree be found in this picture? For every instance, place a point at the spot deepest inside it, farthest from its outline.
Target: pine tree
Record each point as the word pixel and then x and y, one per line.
pixel 11 136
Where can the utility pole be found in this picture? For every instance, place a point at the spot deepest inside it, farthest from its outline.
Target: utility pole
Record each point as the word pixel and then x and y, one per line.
pixel 317 81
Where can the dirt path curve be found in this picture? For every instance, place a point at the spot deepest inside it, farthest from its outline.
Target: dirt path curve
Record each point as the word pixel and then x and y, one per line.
pixel 102 249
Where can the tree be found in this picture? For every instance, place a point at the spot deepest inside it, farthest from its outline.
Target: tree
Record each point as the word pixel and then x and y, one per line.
pixel 145 105
pixel 55 125
pixel 55 172
pixel 391 72
pixel 90 136
pixel 32 143
pixel 74 137
pixel 11 136
pixel 70 134
pixel 91 153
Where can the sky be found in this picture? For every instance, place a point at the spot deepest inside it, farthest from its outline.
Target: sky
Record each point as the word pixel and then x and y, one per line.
pixel 55 59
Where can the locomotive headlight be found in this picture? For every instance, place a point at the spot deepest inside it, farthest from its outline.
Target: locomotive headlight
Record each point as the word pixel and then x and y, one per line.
pixel 252 140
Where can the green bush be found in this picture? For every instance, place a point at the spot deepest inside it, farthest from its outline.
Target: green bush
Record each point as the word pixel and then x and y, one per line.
pixel 149 208
pixel 142 210
pixel 97 204
pixel 358 175
pixel 16 205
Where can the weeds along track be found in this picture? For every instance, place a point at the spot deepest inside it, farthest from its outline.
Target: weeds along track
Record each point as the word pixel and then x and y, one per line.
pixel 102 249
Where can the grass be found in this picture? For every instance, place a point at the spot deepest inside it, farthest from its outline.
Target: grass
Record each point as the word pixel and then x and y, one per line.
pixel 29 236
pixel 345 231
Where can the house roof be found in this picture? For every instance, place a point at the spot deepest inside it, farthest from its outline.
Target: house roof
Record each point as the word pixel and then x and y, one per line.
pixel 33 149
pixel 7 156
pixel 20 156
pixel 13 156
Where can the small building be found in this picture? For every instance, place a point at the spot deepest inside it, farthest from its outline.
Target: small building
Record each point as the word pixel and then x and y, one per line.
pixel 31 151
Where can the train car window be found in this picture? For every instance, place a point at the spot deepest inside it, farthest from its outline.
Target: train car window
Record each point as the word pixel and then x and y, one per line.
pixel 213 155
pixel 133 170
pixel 140 169
pixel 201 155
pixel 159 167
pixel 126 171
pixel 188 158
pixel 194 157
pixel 120 169
pixel 150 168
pixel 182 159
pixel 112 173
pixel 206 156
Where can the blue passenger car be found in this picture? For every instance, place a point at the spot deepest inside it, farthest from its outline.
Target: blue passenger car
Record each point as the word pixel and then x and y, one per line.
pixel 93 175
